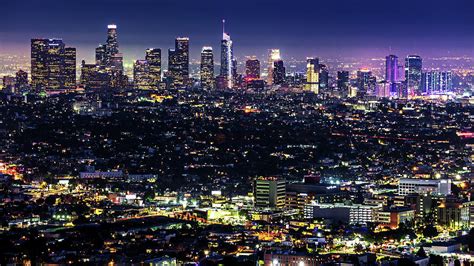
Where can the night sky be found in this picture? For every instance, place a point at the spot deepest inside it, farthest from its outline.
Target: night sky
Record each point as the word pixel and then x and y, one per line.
pixel 300 28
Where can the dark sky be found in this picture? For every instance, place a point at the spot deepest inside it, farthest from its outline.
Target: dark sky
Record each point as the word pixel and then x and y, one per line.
pixel 299 27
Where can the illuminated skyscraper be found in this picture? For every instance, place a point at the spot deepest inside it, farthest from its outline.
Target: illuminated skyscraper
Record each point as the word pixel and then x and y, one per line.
pixel 363 81
pixel 323 77
pixel 279 73
pixel 101 55
pixel 436 82
pixel 70 68
pixel 207 68
pixel 51 67
pixel 178 63
pixel 141 75
pixel 391 72
pixel 55 64
pixel 273 56
pixel 153 58
pixel 112 46
pixel 252 68
pixel 312 75
pixel 21 80
pixel 227 57
pixel 413 74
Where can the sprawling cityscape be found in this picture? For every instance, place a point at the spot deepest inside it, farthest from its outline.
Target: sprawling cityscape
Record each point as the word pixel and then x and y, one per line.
pixel 225 158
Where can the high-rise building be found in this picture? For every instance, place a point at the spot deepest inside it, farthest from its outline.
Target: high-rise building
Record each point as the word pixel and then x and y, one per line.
pixel 21 80
pixel 413 74
pixel 70 68
pixel 153 58
pixel 178 63
pixel 207 68
pixel 312 75
pixel 252 68
pixel 343 80
pixel 141 75
pixel 101 55
pixel 391 72
pixel 382 89
pixel 270 192
pixel 274 55
pixel 227 57
pixel 363 81
pixel 112 46
pixel 52 64
pixel 323 77
pixel 279 73
pixel 435 82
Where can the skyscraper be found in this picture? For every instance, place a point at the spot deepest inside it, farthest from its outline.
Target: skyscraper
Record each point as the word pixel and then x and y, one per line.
pixel 101 55
pixel 343 80
pixel 312 75
pixel 178 63
pixel 70 68
pixel 323 77
pixel 141 75
pixel 274 55
pixel 52 64
pixel 366 83
pixel 279 73
pixel 153 58
pixel 413 74
pixel 227 57
pixel 391 72
pixel 112 46
pixel 252 68
pixel 207 68
pixel 436 82
pixel 21 80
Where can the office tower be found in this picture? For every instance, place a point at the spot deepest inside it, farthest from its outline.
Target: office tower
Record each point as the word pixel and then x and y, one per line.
pixel 270 192
pixel 47 64
pixel 435 82
pixel 279 73
pixel 153 58
pixel 343 80
pixel 413 66
pixel 21 80
pixel 236 78
pixel 94 76
pixel 227 57
pixel 70 68
pixel 323 77
pixel 363 81
pixel 382 89
pixel 8 84
pixel 252 68
pixel 101 55
pixel 112 46
pixel 141 75
pixel 178 63
pixel 273 56
pixel 391 72
pixel 312 75
pixel 207 68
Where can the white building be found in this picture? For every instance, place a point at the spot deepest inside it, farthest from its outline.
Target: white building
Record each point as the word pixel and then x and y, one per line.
pixel 424 186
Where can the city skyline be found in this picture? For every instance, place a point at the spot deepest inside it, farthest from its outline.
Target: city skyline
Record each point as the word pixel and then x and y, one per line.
pixel 336 30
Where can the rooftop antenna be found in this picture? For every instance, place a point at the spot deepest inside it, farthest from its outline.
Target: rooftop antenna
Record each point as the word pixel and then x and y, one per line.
pixel 223 26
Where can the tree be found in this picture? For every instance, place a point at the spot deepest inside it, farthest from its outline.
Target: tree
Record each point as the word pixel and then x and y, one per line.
pixel 421 253
pixel 470 238
pixel 430 231
pixel 436 260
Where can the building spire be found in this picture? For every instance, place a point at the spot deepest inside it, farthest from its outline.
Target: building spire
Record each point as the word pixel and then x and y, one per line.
pixel 223 28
